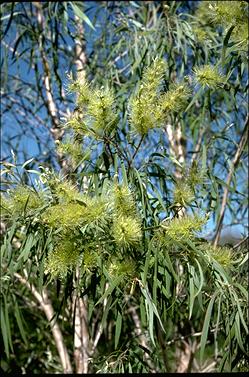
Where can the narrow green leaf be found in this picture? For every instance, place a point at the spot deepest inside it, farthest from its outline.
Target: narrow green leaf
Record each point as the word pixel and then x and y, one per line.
pixel 4 333
pixel 7 322
pixel 191 295
pixel 205 328
pixel 30 241
pixel 155 280
pixel 170 267
pixel 41 273
pixel 175 161
pixel 17 42
pixel 245 259
pixel 130 368
pixel 110 289
pixel 78 12
pixel 151 322
pixel 146 265
pixel 142 313
pixel 242 290
pixel 27 162
pixel 124 175
pixel 201 281
pixel 225 43
pixel 204 159
pixel 33 171
pixel 20 324
pixel 10 16
pixel 168 281
pixel 106 311
pixel 118 329
pixel 220 272
pixel 236 300
pixel 151 304
pixel 238 333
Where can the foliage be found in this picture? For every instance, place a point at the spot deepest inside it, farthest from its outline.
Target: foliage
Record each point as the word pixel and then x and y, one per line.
pixel 131 239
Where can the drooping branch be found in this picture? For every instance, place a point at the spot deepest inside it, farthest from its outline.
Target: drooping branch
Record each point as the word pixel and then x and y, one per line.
pixel 241 146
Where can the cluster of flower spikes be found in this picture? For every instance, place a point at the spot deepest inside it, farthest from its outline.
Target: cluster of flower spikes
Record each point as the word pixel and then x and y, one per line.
pixel 127 227
pixel 185 188
pixel 220 254
pixel 70 211
pixel 209 76
pixel 149 108
pixel 126 232
pixel 95 116
pixel 179 229
pixel 22 199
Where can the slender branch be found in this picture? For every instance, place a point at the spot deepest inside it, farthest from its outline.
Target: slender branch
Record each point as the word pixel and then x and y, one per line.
pixel 134 154
pixel 241 146
pixel 209 368
pixel 240 243
pixel 119 151
pixel 137 149
pixel 47 307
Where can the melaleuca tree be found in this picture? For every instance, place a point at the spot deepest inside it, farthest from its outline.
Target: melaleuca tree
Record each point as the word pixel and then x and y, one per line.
pixel 121 227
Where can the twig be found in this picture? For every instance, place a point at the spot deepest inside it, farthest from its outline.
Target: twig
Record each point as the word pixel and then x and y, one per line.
pixel 184 358
pixel 235 162
pixel 137 148
pixel 209 368
pixel 47 307
pixel 240 243
pixel 134 154
pixel 119 151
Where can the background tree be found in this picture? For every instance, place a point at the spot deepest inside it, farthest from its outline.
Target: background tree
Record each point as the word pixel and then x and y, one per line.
pixel 108 249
